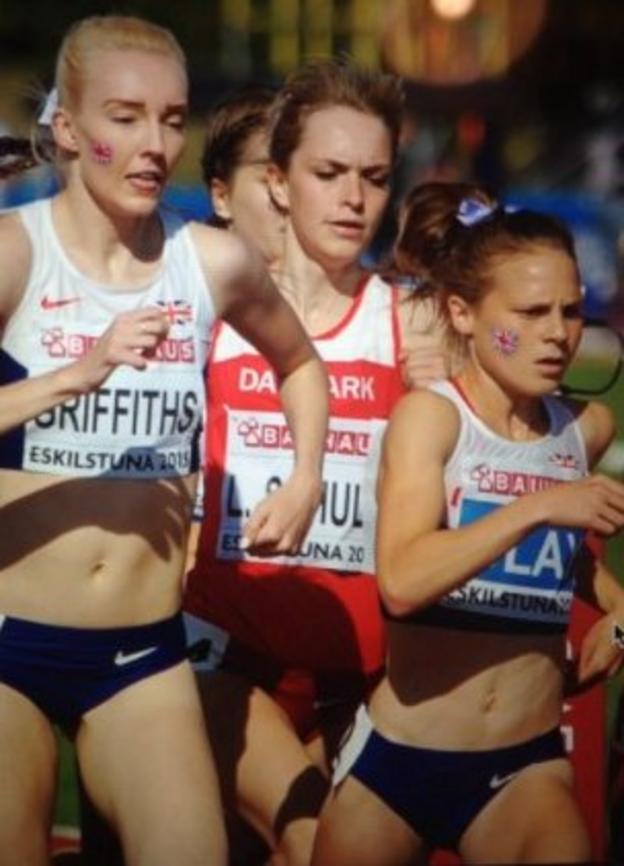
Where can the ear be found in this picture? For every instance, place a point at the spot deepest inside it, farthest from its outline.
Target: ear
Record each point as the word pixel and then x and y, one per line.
pixel 278 187
pixel 63 131
pixel 461 315
pixel 220 197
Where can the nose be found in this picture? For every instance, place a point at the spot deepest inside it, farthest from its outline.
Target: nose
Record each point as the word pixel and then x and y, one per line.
pixel 353 192
pixel 154 137
pixel 557 329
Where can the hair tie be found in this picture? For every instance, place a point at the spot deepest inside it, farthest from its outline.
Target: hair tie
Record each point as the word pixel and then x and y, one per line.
pixel 471 211
pixel 49 108
pixel 410 283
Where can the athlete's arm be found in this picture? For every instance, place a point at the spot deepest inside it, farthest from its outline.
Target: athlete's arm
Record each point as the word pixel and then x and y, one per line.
pixel 129 340
pixel 598 428
pixel 246 297
pixel 601 653
pixel 602 648
pixel 25 399
pixel 417 561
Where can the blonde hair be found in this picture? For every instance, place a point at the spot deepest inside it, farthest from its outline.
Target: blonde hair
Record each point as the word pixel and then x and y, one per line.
pixel 83 39
pixel 102 33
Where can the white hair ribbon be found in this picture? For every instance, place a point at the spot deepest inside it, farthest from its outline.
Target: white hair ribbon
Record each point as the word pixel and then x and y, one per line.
pixel 47 112
pixel 471 211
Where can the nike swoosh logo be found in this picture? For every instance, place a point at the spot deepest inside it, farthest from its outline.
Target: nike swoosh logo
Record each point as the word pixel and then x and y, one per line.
pixel 51 304
pixel 122 658
pixel 498 781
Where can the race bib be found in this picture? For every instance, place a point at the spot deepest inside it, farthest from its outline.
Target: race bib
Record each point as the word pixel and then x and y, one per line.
pixel 259 452
pixel 532 580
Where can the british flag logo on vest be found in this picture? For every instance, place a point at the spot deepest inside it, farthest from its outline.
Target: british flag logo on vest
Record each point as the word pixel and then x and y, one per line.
pixel 176 312
pixel 565 461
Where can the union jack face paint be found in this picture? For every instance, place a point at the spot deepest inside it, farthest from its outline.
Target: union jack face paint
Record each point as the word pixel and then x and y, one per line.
pixel 102 153
pixel 505 341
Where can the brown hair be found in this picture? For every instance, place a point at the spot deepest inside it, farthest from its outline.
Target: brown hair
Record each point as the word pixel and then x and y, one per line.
pixel 230 125
pixel 450 234
pixel 325 83
pixel 16 155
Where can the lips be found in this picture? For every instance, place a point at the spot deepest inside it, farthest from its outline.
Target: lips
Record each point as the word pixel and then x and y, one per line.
pixel 348 228
pixel 552 366
pixel 147 182
pixel 552 361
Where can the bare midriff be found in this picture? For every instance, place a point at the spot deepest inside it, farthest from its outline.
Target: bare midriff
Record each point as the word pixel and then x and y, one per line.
pixel 465 690
pixel 93 553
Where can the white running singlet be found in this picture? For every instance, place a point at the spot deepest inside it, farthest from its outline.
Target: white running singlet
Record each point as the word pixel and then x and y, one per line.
pixel 530 588
pixel 139 423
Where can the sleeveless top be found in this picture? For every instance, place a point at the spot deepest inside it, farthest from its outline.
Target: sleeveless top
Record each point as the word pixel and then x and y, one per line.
pixel 249 452
pixel 138 423
pixel 528 589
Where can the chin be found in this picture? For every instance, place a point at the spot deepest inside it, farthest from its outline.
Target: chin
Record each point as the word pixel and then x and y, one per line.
pixel 533 388
pixel 546 386
pixel 138 207
pixel 346 248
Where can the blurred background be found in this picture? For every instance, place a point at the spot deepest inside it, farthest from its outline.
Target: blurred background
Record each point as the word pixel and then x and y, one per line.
pixel 526 96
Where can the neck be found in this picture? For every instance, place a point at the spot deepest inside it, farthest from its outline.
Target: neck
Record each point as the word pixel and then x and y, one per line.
pixel 310 284
pixel 109 247
pixel 514 416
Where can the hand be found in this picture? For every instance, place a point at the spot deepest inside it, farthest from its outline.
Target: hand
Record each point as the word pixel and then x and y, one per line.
pixel 131 339
pixel 599 656
pixel 280 522
pixel 595 503
pixel 423 360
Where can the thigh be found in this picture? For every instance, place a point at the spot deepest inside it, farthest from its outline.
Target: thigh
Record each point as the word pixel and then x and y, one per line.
pixel 266 772
pixel 534 819
pixel 146 762
pixel 28 764
pixel 333 730
pixel 99 844
pixel 357 828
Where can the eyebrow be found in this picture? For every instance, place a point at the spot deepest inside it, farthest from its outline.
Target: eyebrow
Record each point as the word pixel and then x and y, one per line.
pixel 138 105
pixel 342 166
pixel 541 306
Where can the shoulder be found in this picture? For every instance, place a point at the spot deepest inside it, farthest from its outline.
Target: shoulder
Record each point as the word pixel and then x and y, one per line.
pixel 419 314
pixel 15 261
pixel 423 326
pixel 231 267
pixel 13 236
pixel 424 421
pixel 223 253
pixel 427 405
pixel 597 424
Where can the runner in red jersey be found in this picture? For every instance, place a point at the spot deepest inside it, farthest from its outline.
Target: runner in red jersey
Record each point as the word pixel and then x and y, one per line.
pixel 298 641
pixel 249 452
